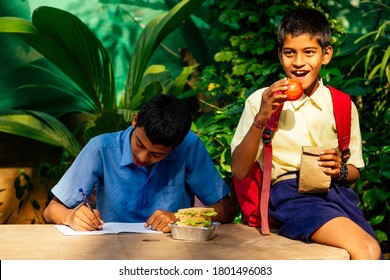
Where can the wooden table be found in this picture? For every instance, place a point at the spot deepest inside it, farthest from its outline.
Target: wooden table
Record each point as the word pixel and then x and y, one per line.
pixel 232 242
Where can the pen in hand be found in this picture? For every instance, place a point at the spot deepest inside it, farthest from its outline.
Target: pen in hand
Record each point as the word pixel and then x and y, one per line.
pixel 85 200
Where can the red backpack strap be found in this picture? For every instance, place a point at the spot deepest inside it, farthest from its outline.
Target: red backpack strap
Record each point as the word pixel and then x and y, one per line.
pixel 342 113
pixel 268 132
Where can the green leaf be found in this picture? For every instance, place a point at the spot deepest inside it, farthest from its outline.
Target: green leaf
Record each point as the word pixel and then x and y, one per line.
pixel 39 126
pixel 241 69
pixel 177 86
pixel 156 73
pixel 374 71
pixel 40 86
pixel 386 174
pixel 376 220
pixel 386 149
pixel 382 236
pixel 16 25
pixel 384 62
pixel 150 38
pixel 68 43
pixel 373 176
pixel 87 62
pixel 372 197
pixel 223 56
pixel 105 122
pixel 224 162
pixel 145 94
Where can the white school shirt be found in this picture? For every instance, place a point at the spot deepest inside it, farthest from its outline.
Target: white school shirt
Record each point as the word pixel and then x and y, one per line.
pixel 308 121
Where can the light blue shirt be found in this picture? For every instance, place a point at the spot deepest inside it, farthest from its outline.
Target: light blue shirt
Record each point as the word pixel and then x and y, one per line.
pixel 128 193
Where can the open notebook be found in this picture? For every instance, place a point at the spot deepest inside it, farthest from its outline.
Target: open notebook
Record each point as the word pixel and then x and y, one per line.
pixel 109 228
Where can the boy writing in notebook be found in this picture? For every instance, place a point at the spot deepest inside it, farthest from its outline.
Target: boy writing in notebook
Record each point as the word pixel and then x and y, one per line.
pixel 332 218
pixel 143 174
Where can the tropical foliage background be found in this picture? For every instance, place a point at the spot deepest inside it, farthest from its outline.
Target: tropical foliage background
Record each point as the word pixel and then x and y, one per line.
pixel 103 59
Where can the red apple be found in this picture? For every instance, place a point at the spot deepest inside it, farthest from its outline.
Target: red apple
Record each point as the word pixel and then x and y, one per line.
pixel 294 90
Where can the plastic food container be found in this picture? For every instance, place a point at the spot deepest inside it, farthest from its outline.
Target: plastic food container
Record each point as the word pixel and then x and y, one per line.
pixel 189 233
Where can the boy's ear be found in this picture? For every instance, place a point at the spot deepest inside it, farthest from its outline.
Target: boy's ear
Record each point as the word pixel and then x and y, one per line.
pixel 134 121
pixel 327 55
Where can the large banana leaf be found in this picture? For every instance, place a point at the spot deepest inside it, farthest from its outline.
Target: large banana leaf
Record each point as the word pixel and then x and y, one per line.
pixel 150 38
pixel 40 86
pixel 39 126
pixel 68 43
pixel 64 40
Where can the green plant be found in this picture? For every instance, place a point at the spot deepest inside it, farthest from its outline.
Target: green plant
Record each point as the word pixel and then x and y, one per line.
pixel 374 69
pixel 216 126
pixel 87 76
pixel 360 67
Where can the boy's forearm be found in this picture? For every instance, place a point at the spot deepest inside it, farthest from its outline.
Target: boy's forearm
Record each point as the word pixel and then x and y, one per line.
pixel 226 210
pixel 56 212
pixel 353 175
pixel 244 155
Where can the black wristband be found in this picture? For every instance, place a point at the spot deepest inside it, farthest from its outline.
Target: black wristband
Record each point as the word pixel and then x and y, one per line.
pixel 343 172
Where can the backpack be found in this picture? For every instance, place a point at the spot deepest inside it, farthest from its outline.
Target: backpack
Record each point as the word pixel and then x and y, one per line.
pixel 252 193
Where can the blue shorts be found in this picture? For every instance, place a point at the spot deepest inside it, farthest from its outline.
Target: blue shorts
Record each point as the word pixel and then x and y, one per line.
pixel 300 215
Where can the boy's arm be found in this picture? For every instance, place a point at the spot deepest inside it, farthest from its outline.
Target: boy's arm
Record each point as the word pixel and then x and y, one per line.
pixel 353 175
pixel 79 218
pixel 331 161
pixel 244 155
pixel 226 210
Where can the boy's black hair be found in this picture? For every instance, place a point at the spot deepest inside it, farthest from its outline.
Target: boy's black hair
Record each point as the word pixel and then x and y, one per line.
pixel 166 120
pixel 305 21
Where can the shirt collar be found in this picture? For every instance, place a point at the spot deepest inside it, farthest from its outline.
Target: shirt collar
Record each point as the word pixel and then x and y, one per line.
pixel 127 154
pixel 317 98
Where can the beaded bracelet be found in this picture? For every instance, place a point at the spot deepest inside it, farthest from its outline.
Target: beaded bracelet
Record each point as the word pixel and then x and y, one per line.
pixel 259 123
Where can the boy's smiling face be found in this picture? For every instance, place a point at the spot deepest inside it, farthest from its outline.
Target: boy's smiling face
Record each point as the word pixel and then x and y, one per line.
pixel 302 58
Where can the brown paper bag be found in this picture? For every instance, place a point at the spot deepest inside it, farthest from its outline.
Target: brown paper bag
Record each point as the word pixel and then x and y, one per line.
pixel 311 177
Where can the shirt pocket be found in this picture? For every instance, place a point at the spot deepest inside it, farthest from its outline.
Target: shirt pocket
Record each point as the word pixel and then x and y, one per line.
pixel 326 139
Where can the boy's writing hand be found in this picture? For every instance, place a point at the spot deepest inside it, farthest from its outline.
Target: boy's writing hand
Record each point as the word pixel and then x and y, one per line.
pixel 331 161
pixel 160 220
pixel 82 218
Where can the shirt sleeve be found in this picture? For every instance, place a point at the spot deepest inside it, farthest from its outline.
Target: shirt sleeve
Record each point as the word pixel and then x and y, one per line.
pixel 84 173
pixel 202 177
pixel 355 145
pixel 251 108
